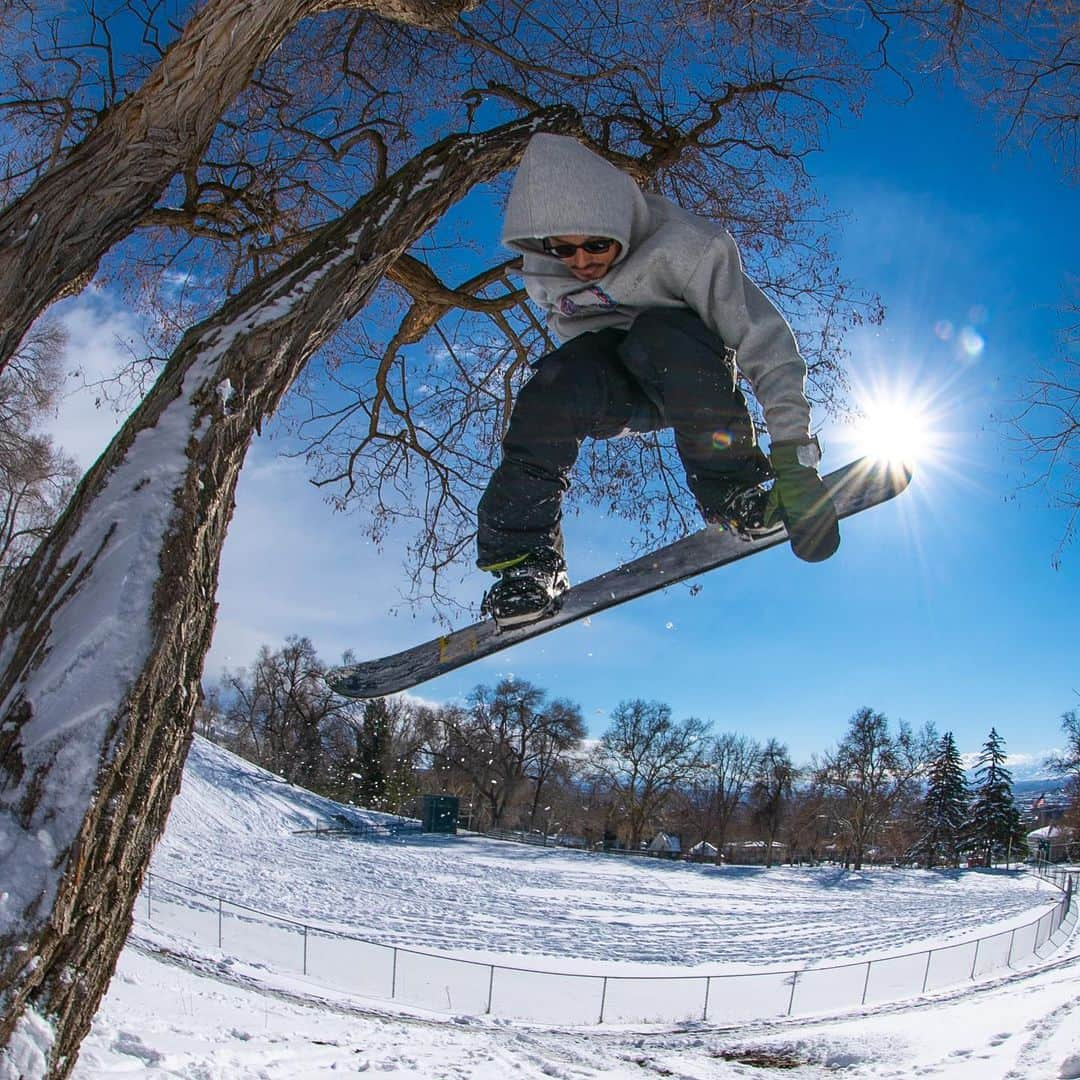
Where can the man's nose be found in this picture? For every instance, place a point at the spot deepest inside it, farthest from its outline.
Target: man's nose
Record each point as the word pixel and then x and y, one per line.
pixel 580 259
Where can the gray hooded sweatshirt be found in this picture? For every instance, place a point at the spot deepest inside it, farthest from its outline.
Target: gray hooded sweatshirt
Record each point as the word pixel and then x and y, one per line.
pixel 670 258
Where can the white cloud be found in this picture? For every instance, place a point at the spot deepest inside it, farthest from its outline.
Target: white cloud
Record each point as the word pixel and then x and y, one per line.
pixel 96 331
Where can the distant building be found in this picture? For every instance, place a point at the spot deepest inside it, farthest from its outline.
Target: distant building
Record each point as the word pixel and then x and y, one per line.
pixel 702 851
pixel 753 852
pixel 665 844
pixel 1051 843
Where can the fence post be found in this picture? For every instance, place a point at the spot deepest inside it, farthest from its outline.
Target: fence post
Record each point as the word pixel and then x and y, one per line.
pixel 791 1000
pixel 866 983
pixel 926 973
pixel 975 958
pixel 1012 942
pixel 393 977
pixel 219 920
pixel 708 987
pixel 491 987
pixel 603 1000
pixel 305 948
pixel 149 912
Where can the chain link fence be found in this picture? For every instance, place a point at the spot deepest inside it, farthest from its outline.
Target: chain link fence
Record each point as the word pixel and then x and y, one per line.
pixel 352 964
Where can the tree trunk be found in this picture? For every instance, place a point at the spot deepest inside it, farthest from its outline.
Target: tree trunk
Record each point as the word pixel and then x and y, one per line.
pixel 53 236
pixel 103 640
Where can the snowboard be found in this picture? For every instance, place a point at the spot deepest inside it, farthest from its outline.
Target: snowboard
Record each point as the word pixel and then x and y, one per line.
pixel 854 488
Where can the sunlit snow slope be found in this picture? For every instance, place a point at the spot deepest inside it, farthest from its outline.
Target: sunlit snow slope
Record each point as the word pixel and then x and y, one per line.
pixel 233 833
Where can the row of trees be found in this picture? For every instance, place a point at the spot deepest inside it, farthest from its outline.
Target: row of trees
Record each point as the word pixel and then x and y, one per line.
pixel 519 759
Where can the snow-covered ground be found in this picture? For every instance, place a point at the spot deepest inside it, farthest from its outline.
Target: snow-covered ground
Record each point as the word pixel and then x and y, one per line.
pixel 176 1009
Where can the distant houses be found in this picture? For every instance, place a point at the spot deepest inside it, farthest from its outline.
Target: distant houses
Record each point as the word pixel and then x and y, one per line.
pixel 1053 843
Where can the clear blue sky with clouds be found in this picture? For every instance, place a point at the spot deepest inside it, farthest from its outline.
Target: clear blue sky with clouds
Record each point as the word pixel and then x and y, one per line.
pixel 942 606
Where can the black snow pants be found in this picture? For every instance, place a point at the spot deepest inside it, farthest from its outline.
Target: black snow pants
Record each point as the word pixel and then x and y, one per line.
pixel 667 370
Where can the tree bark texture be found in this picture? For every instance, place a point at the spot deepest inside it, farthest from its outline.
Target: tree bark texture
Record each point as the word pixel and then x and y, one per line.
pixel 103 641
pixel 53 236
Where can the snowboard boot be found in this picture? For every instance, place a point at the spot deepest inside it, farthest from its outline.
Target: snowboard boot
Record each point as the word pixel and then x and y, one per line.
pixel 528 589
pixel 741 512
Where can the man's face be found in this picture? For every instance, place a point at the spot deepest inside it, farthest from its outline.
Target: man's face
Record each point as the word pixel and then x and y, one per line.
pixel 586 265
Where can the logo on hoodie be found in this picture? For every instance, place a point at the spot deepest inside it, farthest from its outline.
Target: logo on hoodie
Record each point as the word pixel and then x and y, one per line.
pixel 592 297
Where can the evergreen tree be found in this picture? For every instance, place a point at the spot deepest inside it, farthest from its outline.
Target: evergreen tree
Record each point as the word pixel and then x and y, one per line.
pixel 943 813
pixel 994 827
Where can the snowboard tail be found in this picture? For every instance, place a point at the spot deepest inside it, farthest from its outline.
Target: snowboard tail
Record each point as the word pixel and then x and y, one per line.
pixel 855 487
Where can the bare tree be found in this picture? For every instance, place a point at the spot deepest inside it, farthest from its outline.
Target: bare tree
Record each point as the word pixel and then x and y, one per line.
pixel 644 757
pixel 407 431
pixel 101 189
pixel 1049 436
pixel 869 774
pixel 509 736
pixel 123 588
pixel 770 793
pixel 1067 763
pixel 729 766
pixel 282 711
pixel 36 479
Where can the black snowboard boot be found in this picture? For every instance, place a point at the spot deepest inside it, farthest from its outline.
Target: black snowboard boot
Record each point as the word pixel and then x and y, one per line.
pixel 526 590
pixel 742 512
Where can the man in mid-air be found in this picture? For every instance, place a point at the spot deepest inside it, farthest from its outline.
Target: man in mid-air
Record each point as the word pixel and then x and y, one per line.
pixel 657 319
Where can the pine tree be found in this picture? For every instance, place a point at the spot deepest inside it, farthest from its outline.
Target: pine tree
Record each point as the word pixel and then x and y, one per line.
pixel 994 827
pixel 944 808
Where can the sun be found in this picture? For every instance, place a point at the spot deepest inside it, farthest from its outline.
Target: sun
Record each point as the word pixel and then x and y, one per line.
pixel 895 431
pixel 898 425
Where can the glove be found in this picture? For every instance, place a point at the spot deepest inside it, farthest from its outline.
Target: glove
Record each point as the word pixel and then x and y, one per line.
pixel 801 501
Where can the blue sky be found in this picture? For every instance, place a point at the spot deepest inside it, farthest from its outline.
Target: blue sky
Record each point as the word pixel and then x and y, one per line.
pixel 942 606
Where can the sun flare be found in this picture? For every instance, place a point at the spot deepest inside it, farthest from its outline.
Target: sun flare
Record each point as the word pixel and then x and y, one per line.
pixel 898 426
pixel 894 431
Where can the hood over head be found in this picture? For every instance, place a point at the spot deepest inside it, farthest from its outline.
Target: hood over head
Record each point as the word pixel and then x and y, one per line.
pixel 562 188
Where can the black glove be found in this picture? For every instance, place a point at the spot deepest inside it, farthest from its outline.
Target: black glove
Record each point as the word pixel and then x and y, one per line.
pixel 801 501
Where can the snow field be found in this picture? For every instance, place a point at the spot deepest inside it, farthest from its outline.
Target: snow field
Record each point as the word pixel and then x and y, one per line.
pixel 177 1010
pixel 484 927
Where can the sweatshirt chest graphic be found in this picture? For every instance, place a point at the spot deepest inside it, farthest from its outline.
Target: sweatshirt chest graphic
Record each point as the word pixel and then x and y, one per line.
pixel 586 300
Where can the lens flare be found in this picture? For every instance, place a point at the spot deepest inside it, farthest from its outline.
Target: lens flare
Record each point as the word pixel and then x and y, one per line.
pixel 972 343
pixel 721 440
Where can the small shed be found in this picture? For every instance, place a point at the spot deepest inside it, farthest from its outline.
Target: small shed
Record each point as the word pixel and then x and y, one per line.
pixel 703 851
pixel 439 813
pixel 665 844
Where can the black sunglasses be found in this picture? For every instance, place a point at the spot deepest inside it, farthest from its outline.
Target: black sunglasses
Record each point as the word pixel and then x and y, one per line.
pixel 596 246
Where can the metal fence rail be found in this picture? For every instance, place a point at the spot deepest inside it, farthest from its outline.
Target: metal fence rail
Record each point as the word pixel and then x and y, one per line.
pixel 353 964
pixel 364 830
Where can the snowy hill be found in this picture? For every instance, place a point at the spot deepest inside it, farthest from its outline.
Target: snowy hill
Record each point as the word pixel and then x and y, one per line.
pixel 174 1011
pixel 233 833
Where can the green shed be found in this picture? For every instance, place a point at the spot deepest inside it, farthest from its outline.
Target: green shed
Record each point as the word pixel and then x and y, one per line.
pixel 439 813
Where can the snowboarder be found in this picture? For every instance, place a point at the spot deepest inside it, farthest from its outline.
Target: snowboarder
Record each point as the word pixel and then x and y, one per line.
pixel 654 311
